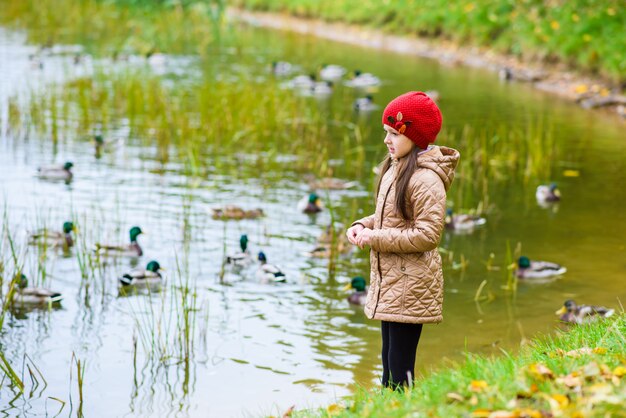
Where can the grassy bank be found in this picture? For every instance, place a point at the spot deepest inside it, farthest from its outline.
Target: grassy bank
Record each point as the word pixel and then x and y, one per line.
pixel 578 373
pixel 584 35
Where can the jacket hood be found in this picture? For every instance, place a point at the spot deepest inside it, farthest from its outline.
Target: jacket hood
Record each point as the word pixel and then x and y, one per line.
pixel 441 160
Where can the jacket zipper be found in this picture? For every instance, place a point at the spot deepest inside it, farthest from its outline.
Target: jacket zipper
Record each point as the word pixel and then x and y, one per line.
pixel 380 273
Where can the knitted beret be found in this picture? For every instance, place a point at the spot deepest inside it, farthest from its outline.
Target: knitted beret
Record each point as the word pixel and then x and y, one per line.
pixel 414 115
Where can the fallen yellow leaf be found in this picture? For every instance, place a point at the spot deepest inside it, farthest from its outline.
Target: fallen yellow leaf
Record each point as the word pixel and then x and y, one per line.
pixel 571 173
pixel 478 385
pixel 561 400
pixel 599 350
pixel 481 413
pixel 619 371
pixel 530 413
pixel 572 380
pixel 581 88
pixel 334 409
pixel 539 371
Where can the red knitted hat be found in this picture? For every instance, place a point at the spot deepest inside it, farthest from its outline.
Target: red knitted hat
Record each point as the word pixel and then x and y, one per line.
pixel 414 115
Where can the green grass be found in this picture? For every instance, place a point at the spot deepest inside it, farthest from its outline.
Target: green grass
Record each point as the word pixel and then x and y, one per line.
pixel 584 34
pixel 578 373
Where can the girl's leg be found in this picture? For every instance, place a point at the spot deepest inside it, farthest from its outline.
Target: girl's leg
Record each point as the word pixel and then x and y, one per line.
pixel 402 345
pixel 384 327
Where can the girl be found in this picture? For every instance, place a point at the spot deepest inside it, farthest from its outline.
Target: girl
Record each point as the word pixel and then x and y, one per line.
pixel 406 281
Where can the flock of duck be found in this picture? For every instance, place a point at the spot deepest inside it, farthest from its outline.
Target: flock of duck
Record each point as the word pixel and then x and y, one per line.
pixel 535 270
pixel 525 269
pixel 318 85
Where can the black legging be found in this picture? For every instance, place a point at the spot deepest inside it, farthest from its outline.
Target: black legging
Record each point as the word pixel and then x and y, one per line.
pixel 399 347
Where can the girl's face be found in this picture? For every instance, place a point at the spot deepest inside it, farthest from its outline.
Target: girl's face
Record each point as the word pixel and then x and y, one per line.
pixel 398 144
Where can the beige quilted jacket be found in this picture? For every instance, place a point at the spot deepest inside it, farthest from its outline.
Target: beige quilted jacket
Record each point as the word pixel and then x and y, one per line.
pixel 406 281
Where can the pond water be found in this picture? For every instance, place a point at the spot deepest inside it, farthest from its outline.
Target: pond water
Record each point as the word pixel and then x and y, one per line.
pixel 258 349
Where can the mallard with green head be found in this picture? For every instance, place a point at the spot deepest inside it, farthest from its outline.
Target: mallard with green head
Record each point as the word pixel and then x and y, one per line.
pixel 310 204
pixel 56 172
pixel 527 269
pixel 269 273
pixel 462 221
pixel 359 291
pixel 547 194
pixel 236 213
pixel 54 239
pixel 148 277
pixel 33 296
pixel 129 250
pixel 579 314
pixel 241 258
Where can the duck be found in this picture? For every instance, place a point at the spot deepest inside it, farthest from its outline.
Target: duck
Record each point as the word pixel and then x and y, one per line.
pixel 33 296
pixel 241 258
pixel 236 213
pixel 577 314
pixel 310 204
pixel 56 172
pixel 332 72
pixel 365 104
pixel 156 59
pixel 100 144
pixel 527 269
pixel 54 239
pixel 302 82
pixel 282 68
pixel 359 291
pixel 325 250
pixel 363 80
pixel 462 221
pixel 321 89
pixel 133 249
pixel 147 277
pixel 548 193
pixel 330 183
pixel 269 273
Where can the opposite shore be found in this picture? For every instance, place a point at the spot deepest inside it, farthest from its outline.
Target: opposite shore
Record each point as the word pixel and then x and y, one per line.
pixel 589 92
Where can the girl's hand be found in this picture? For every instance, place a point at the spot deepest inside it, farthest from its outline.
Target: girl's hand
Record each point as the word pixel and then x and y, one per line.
pixel 364 238
pixel 352 233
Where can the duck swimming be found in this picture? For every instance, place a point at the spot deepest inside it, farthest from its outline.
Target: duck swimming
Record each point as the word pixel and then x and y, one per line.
pixel 241 258
pixel 133 249
pixel 236 213
pixel 527 269
pixel 269 273
pixel 310 204
pixel 150 276
pixel 365 104
pixel 548 194
pixel 56 172
pixel 462 221
pixel 54 239
pixel 577 314
pixel 33 296
pixel 330 183
pixel 332 72
pixel 363 80
pixel 359 291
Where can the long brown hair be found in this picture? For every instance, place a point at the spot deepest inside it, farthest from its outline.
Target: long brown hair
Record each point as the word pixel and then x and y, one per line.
pixel 406 167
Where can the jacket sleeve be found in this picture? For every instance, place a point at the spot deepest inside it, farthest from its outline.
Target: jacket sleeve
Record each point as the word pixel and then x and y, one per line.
pixel 367 222
pixel 428 197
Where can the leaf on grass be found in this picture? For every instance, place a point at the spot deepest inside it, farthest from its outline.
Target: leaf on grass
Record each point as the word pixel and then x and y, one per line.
pixel 334 409
pixel 503 414
pixel 530 413
pixel 478 386
pixel 572 380
pixel 288 412
pixel 619 371
pixel 481 413
pixel 540 372
pixel 557 402
pixel 600 350
pixel 579 352
pixel 454 397
pixel 591 370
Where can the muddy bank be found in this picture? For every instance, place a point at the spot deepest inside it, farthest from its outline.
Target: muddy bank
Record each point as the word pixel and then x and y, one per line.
pixel 589 92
